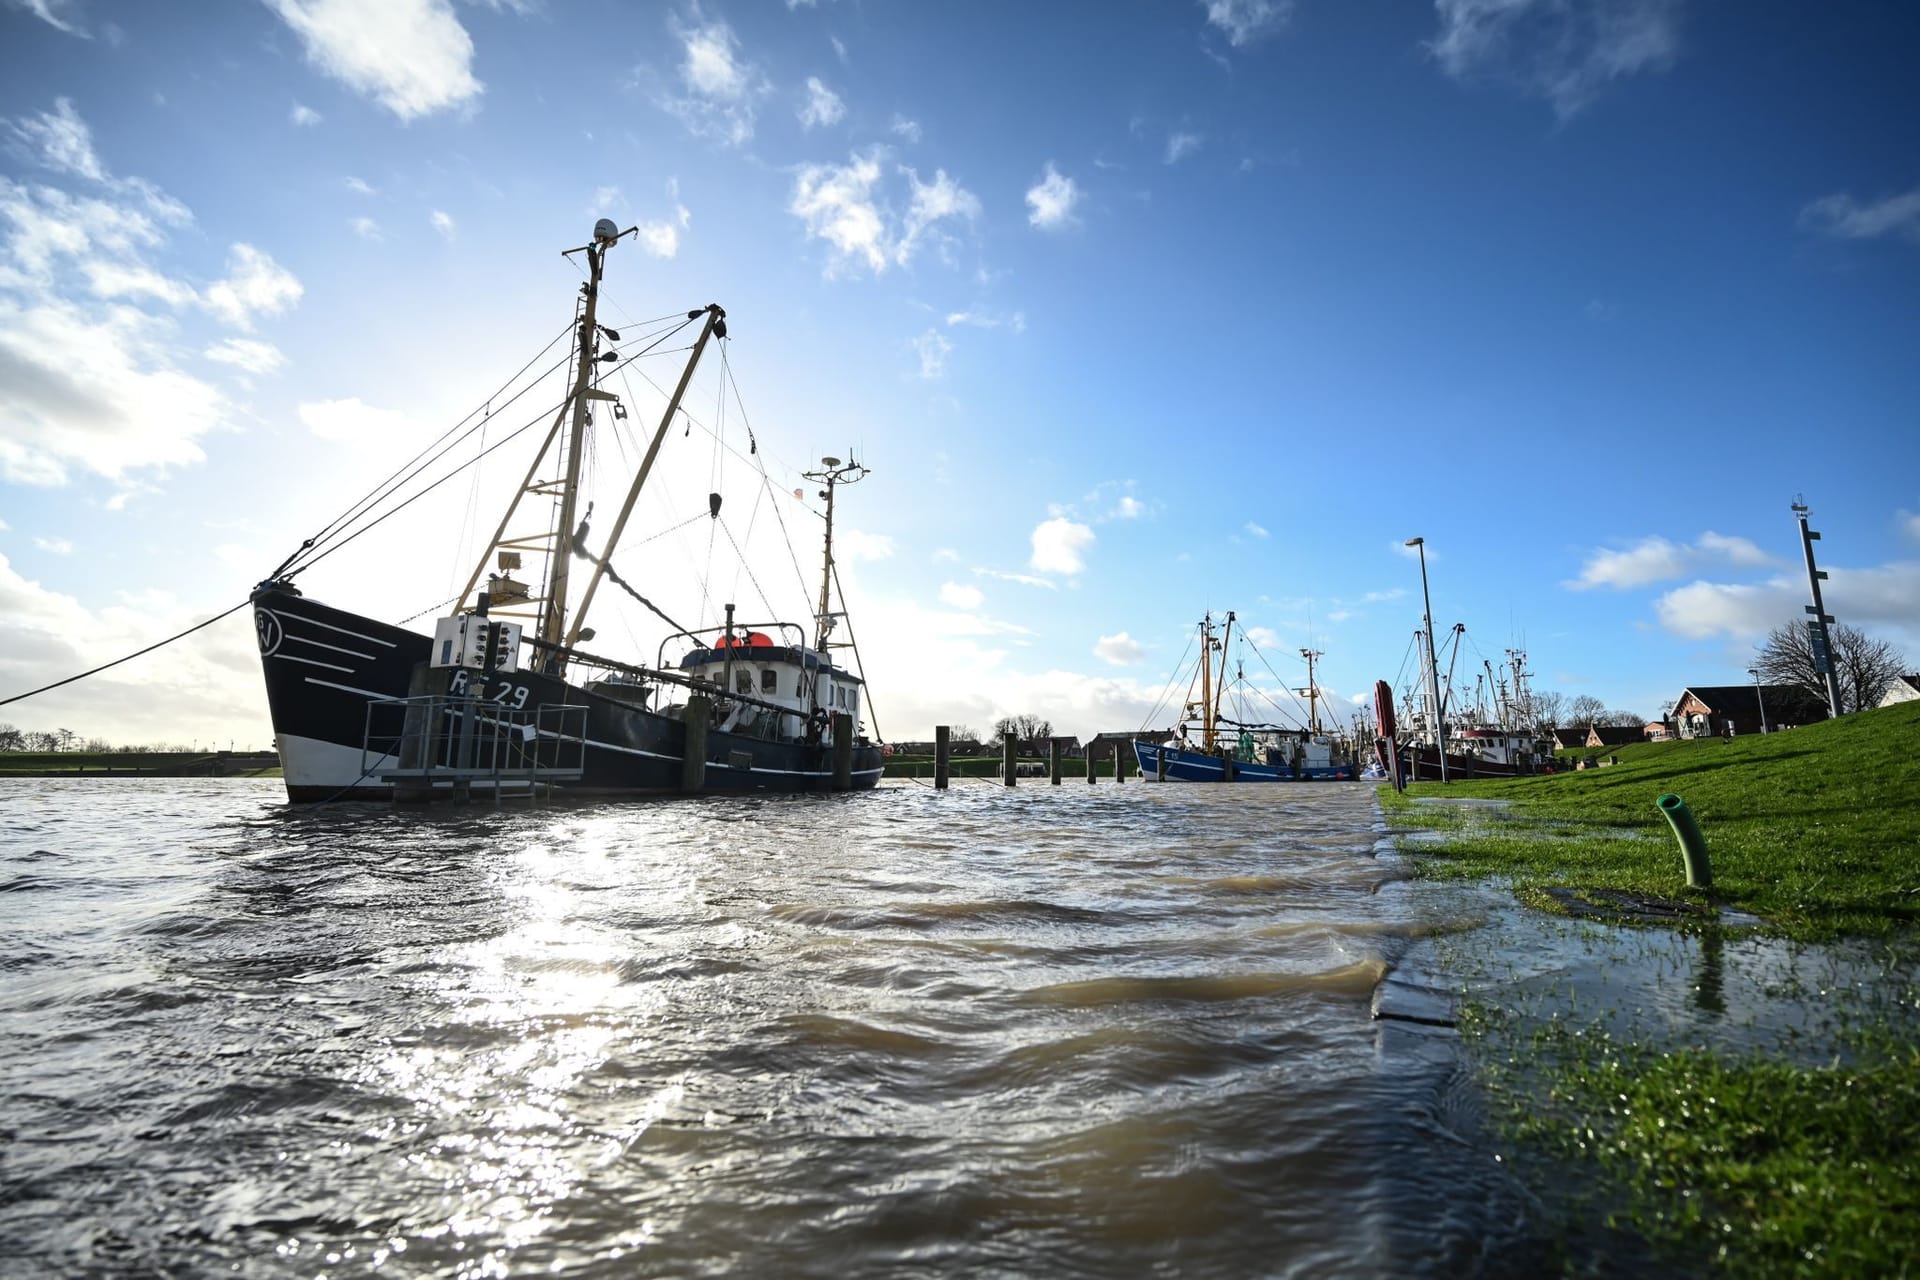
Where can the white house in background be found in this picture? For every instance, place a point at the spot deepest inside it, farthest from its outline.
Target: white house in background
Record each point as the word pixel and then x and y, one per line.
pixel 1903 689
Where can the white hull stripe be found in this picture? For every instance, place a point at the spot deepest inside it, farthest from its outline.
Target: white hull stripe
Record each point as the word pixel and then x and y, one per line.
pixel 321 644
pixel 347 688
pixel 315 622
pixel 312 662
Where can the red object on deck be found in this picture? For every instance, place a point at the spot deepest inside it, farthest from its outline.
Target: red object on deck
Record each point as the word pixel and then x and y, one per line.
pixel 750 640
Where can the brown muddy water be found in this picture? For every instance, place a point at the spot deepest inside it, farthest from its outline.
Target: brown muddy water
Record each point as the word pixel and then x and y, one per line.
pixel 1114 1031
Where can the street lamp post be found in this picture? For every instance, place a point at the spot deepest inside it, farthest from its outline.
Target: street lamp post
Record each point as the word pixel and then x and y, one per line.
pixel 1761 695
pixel 1433 662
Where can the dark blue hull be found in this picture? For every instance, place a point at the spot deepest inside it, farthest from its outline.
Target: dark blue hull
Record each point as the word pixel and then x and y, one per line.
pixel 1196 766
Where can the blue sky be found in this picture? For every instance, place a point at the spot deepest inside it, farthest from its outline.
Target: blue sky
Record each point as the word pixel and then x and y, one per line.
pixel 1135 310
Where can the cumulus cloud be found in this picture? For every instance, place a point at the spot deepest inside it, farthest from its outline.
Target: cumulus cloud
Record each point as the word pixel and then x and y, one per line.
pixel 1655 559
pixel 904 129
pixel 410 56
pixel 1058 546
pixel 1128 508
pixel 1566 51
pixel 365 228
pixel 822 106
pixel 961 596
pixel 1843 216
pixel 90 374
pixel 53 546
pixel 1050 201
pixel 304 115
pixel 721 89
pixel 1909 523
pixel 249 354
pixel 1121 650
pixel 1182 145
pixel 1886 596
pixel 848 207
pixel 442 222
pixel 255 285
pixel 1246 22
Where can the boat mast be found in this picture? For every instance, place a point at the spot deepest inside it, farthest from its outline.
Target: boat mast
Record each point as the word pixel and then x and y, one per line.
pixel 834 473
pixel 1206 682
pixel 1220 686
pixel 1313 690
pixel 553 614
pixel 1435 723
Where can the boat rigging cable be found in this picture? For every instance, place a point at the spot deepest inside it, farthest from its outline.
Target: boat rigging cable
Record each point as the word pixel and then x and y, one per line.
pixel 333 533
pixel 21 697
pixel 1173 682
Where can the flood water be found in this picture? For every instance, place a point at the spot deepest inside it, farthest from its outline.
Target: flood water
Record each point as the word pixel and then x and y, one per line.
pixel 1049 1031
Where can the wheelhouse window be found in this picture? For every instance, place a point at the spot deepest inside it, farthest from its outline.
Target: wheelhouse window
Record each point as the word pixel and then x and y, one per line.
pixel 769 680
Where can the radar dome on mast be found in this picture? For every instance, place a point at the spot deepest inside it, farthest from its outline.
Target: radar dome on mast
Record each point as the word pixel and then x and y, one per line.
pixel 605 231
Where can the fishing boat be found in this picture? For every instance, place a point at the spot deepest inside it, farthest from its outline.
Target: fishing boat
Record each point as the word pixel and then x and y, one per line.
pixel 1208 745
pixel 504 697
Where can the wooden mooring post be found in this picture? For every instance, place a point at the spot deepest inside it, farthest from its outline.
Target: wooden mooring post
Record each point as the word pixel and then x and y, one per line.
pixel 1009 758
pixel 693 763
pixel 842 751
pixel 1053 761
pixel 942 756
pixel 1119 764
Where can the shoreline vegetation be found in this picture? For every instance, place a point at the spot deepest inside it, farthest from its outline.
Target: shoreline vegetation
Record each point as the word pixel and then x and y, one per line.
pixel 139 764
pixel 1747 1159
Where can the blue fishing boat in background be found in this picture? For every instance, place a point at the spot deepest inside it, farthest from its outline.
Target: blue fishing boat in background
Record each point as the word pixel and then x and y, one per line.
pixel 1209 746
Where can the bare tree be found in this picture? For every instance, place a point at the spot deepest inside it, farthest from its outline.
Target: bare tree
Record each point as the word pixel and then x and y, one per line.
pixel 962 733
pixel 1864 666
pixel 1585 709
pixel 1548 708
pixel 1026 728
pixel 11 739
pixel 1625 719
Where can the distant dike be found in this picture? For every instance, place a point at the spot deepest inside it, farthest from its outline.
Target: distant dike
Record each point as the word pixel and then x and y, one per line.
pixel 220 764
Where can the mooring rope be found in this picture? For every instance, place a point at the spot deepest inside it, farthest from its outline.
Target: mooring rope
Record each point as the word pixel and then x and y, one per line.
pixel 20 697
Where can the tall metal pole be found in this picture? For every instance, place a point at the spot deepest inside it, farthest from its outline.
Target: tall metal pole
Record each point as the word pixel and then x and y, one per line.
pixel 1760 694
pixel 1433 662
pixel 1817 625
pixel 553 616
pixel 835 473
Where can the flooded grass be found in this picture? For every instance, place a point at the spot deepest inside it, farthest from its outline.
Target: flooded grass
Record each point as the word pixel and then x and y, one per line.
pixel 1745 1100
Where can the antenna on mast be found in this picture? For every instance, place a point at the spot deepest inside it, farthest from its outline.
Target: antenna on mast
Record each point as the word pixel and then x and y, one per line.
pixel 833 473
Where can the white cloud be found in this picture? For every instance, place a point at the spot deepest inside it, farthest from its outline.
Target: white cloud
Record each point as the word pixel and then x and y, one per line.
pixel 1909 523
pixel 1058 545
pixel 1264 638
pixel 857 545
pixel 53 546
pixel 59 13
pixel 1655 559
pixel 360 187
pixel 723 90
pixel 411 56
pixel 1121 650
pixel 843 205
pixel 304 115
pixel 1566 51
pixel 1886 596
pixel 1841 215
pixel 822 107
pixel 660 239
pixel 1015 322
pixel 1024 579
pixel 961 596
pixel 89 378
pixel 1129 508
pixel 442 222
pixel 1051 200
pixel 365 228
pixel 1182 145
pixel 351 421
pixel 249 354
pixel 255 285
pixel 1258 531
pixel 1247 21
pixel 933 350
pixel 903 128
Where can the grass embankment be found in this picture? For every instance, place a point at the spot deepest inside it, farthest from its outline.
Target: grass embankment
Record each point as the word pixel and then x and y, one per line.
pixel 162 764
pixel 1738 1161
pixel 1816 829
